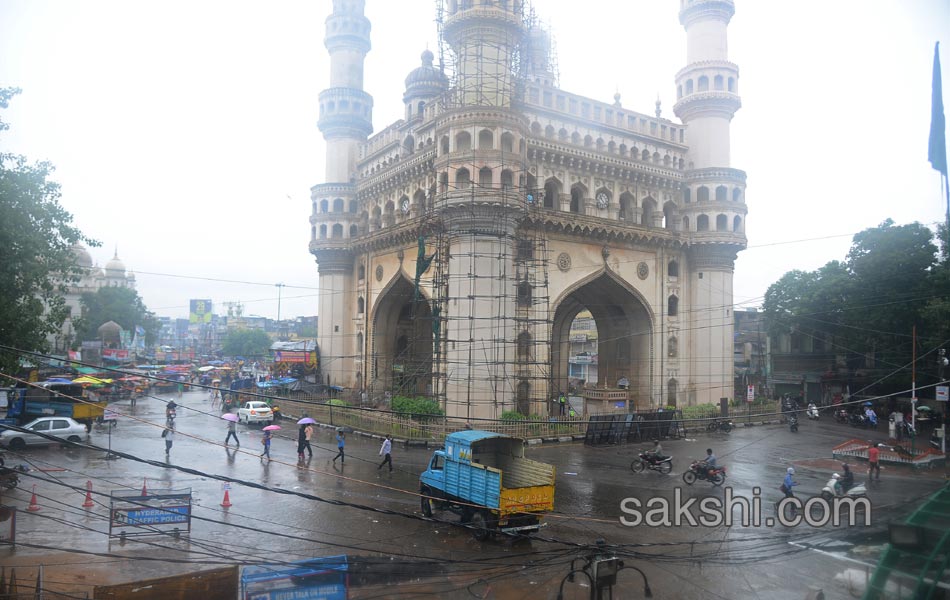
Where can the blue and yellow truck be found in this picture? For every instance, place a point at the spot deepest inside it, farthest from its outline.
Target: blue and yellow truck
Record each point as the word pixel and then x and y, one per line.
pixel 485 478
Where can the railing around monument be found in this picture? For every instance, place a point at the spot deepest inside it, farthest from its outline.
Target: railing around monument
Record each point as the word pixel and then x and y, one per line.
pixel 425 428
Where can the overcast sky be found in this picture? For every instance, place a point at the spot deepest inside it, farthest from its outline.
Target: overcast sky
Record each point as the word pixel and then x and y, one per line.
pixel 184 133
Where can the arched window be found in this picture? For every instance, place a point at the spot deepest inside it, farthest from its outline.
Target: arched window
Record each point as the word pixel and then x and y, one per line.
pixel 672 306
pixel 737 224
pixel 687 195
pixel 588 141
pixel 445 144
pixel 685 223
pixel 702 223
pixel 419 201
pixel 353 206
pixel 422 107
pixel 463 141
pixel 702 194
pixel 338 205
pixel 313 232
pixel 524 294
pixel 359 342
pixel 507 142
pixel 444 182
pixel 507 179
pixel 718 82
pixel 671 389
pixel 562 134
pixel 323 231
pixel 722 194
pixel 354 230
pixel 679 92
pixel 703 84
pixel 552 191
pixel 337 231
pixel 549 131
pixel 669 216
pixel 689 86
pixel 314 207
pixel 462 179
pixel 575 138
pixel 722 223
pixel 600 144
pixel 524 395
pixel 731 86
pixel 577 198
pixel 361 272
pixel 627 209
pixel 409 144
pixel 524 345
pixel 486 140
pixel 673 269
pixel 672 347
pixel 324 206
pixel 360 305
pixel 736 195
pixel 645 155
pixel 536 128
pixel 485 177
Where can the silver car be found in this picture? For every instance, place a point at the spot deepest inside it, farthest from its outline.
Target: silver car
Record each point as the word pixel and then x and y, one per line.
pixel 63 428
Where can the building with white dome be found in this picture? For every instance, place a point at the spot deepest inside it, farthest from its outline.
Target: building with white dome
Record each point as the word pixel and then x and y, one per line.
pixel 94 277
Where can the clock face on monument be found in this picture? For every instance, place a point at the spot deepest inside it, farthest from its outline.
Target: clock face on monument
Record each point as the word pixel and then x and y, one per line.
pixel 602 200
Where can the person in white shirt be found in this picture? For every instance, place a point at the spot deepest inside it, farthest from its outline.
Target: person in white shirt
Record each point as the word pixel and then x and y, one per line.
pixel 385 451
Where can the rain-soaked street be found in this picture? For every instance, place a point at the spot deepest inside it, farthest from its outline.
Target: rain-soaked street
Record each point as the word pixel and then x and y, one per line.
pixel 317 508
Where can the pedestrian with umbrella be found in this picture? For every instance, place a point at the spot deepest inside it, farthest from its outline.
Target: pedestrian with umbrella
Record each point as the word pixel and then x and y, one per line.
pixel 267 439
pixel 232 420
pixel 304 435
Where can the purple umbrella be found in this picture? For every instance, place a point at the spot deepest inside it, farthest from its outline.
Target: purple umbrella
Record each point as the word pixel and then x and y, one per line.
pixel 305 421
pixel 271 428
pixel 230 417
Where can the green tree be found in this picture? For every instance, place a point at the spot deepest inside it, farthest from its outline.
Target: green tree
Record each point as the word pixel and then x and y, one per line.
pixel 36 236
pixel 122 305
pixel 247 343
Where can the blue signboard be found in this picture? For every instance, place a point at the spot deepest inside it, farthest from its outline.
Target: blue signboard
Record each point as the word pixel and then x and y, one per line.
pixel 151 516
pixel 314 579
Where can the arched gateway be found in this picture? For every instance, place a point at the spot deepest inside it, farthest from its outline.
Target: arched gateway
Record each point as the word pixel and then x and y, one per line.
pixel 482 223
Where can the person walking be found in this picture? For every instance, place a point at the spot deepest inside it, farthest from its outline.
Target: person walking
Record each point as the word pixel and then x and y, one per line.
pixel 266 441
pixel 340 443
pixel 308 433
pixel 169 434
pixel 386 452
pixel 302 441
pixel 788 483
pixel 232 432
pixel 874 466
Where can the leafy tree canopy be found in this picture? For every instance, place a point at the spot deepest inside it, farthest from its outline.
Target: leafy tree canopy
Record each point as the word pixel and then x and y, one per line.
pixel 36 235
pixel 119 304
pixel 247 343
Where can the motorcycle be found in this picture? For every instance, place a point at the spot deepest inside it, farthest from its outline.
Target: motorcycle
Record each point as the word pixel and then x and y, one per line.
pixel 9 478
pixel 793 424
pixel 841 415
pixel 649 460
pixel 812 412
pixel 856 420
pixel 699 470
pixel 831 491
pixel 724 425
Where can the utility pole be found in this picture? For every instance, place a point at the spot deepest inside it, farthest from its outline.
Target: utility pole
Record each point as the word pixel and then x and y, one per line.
pixel 280 288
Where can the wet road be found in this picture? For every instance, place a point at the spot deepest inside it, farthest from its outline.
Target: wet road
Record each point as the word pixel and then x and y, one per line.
pixel 267 525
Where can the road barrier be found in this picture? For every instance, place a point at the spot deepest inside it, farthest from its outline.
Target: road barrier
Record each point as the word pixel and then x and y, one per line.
pixel 899 454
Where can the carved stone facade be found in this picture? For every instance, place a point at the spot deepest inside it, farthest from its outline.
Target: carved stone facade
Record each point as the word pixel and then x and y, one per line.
pixel 532 204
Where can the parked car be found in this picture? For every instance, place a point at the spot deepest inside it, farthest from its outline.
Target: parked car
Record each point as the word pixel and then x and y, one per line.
pixel 256 412
pixel 63 428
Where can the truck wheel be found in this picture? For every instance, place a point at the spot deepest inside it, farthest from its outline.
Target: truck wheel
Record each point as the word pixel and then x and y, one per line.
pixel 479 526
pixel 428 505
pixel 17 444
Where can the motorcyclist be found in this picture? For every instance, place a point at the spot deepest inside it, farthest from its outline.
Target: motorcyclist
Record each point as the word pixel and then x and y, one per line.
pixel 655 454
pixel 847 478
pixel 709 462
pixel 871 416
pixel 838 486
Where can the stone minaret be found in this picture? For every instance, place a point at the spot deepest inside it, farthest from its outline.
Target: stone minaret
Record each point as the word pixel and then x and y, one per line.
pixel 707 99
pixel 346 119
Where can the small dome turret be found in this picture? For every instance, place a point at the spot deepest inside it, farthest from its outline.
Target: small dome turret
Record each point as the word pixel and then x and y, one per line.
pixel 423 84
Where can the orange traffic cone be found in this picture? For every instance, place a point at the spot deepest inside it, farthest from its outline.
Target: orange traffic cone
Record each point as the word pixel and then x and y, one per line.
pixel 227 500
pixel 144 487
pixel 88 503
pixel 33 507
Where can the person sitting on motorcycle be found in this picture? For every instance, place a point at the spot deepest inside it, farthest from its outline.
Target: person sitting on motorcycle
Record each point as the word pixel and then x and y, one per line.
pixel 847 478
pixel 656 452
pixel 871 415
pixel 838 487
pixel 709 462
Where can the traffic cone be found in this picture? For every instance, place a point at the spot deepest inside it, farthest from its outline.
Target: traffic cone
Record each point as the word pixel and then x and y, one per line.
pixel 88 503
pixel 227 500
pixel 33 507
pixel 144 487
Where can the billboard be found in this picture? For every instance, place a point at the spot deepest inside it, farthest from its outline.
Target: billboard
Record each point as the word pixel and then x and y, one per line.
pixel 199 311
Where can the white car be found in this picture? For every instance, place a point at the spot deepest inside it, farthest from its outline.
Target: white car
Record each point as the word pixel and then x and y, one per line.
pixel 256 412
pixel 63 428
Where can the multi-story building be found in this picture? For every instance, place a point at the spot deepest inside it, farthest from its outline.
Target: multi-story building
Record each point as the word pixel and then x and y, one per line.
pixel 456 246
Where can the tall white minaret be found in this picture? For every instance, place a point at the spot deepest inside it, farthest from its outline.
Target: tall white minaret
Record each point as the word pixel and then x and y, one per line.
pixel 346 119
pixel 713 207
pixel 346 111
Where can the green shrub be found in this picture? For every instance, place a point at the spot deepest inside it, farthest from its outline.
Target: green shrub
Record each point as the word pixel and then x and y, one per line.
pixel 337 402
pixel 512 415
pixel 419 408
